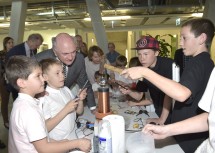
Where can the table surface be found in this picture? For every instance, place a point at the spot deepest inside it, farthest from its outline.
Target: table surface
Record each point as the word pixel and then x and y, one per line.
pixel 167 145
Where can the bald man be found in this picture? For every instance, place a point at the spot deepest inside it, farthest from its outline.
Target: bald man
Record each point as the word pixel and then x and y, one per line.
pixel 64 49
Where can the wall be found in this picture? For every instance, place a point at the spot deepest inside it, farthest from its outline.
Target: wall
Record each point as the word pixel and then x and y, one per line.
pixel 47 35
pixel 123 40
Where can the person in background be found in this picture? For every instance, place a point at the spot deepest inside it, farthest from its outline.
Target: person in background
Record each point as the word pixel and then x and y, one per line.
pixel 81 46
pixel 60 105
pixel 29 49
pixel 112 54
pixel 84 49
pixel 196 38
pixel 134 61
pixel 28 131
pixel 4 93
pixel 198 123
pixel 121 62
pixel 64 49
pixel 95 62
pixel 148 50
pixel 98 78
pixel 181 60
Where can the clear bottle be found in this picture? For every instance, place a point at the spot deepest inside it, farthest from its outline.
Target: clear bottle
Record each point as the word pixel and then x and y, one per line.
pixel 95 137
pixel 105 139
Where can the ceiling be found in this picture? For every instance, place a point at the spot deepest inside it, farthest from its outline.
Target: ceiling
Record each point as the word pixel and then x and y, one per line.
pixel 71 13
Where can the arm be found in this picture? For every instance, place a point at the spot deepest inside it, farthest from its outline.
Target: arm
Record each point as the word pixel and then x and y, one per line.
pixel 169 87
pixel 167 103
pixel 69 107
pixel 82 96
pixel 43 146
pixel 195 124
pixel 134 94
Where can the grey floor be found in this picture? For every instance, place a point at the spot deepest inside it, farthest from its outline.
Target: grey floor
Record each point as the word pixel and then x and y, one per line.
pixel 4 132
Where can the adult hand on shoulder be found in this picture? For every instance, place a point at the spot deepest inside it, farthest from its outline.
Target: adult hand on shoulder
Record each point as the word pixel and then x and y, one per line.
pixel 84 144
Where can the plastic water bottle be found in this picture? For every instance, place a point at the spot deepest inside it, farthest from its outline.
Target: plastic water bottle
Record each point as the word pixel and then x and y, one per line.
pixel 105 139
pixel 96 138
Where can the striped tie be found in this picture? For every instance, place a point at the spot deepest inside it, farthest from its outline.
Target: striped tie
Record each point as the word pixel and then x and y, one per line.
pixel 64 71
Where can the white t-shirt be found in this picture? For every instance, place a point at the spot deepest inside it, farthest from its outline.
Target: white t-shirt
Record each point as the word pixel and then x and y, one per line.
pixel 53 103
pixel 207 103
pixel 27 124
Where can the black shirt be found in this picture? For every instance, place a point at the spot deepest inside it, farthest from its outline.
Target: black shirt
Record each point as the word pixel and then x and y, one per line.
pixel 195 77
pixel 163 67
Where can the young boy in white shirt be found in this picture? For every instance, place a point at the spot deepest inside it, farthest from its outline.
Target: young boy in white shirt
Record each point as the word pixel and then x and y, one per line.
pixel 60 105
pixel 27 131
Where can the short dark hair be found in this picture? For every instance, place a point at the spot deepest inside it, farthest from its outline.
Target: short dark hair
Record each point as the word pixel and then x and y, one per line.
pixel 35 36
pixel 202 25
pixel 97 75
pixel 134 61
pixel 94 49
pixel 121 60
pixel 46 63
pixel 19 67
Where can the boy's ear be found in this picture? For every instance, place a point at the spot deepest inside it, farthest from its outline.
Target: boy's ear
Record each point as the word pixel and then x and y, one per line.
pixel 156 53
pixel 203 38
pixel 45 77
pixel 20 83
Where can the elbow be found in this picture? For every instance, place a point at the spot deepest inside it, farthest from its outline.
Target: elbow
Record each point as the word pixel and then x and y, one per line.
pixel 183 96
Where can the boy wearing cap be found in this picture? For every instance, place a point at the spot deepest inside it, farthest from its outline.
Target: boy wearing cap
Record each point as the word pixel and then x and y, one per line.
pixel 196 38
pixel 148 49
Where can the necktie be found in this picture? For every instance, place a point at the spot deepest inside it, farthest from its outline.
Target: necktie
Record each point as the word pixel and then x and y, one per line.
pixel 64 70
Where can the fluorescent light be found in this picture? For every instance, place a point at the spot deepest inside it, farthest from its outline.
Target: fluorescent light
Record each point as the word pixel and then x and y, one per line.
pixel 50 13
pixel 197 14
pixel 8 24
pixel 4 24
pixel 111 18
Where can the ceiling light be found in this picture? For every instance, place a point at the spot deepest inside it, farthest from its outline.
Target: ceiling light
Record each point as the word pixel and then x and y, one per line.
pixel 8 24
pixel 111 18
pixel 197 14
pixel 4 24
pixel 50 13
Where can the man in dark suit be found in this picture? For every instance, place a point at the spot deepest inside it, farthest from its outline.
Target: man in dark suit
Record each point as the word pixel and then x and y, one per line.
pixel 64 49
pixel 28 48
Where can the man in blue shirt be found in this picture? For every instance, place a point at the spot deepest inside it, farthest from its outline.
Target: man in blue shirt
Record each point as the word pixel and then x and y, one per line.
pixel 113 54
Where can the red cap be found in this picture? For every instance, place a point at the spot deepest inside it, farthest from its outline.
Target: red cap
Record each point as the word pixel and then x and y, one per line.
pixel 147 42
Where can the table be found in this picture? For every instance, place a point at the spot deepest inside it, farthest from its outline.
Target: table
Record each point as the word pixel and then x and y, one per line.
pixel 167 145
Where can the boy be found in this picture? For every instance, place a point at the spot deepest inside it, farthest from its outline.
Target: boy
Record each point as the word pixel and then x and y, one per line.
pixel 148 50
pixel 198 123
pixel 196 38
pixel 27 131
pixel 59 106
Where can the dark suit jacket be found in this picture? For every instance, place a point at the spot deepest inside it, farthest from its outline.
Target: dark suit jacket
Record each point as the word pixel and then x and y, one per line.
pixel 16 50
pixel 76 74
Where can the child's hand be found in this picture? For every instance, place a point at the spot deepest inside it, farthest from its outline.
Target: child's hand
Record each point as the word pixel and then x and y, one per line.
pixel 84 144
pixel 83 94
pixel 131 103
pixel 125 91
pixel 71 105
